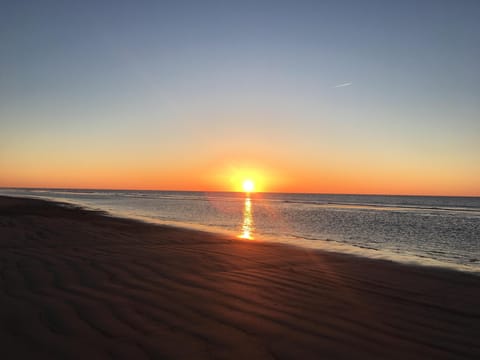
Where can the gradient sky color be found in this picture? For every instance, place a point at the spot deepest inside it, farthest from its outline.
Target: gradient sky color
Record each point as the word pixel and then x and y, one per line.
pixel 305 96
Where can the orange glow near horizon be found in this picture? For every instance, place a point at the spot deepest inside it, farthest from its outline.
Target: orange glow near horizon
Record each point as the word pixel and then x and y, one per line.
pixel 278 167
pixel 326 176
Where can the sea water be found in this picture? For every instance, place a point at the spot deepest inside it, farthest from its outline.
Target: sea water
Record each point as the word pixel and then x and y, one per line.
pixel 439 231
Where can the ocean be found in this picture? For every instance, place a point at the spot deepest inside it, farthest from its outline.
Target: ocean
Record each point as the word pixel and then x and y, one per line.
pixel 428 230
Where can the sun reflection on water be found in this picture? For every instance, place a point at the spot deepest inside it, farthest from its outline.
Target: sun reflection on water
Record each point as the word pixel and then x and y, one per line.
pixel 247 226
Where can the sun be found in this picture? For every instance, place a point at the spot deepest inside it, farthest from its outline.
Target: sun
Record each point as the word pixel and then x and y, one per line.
pixel 248 185
pixel 247 180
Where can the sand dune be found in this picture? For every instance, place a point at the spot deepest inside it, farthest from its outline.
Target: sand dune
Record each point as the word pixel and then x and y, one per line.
pixel 76 284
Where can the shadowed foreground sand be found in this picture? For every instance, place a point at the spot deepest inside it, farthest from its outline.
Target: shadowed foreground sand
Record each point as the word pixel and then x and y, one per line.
pixel 76 284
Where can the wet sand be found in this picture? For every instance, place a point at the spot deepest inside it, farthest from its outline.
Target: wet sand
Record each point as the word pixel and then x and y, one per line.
pixel 77 284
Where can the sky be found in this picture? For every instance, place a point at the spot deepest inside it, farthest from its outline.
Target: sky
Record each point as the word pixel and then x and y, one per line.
pixel 379 97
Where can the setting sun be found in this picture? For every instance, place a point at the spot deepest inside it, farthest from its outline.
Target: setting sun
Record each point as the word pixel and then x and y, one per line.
pixel 248 185
pixel 245 178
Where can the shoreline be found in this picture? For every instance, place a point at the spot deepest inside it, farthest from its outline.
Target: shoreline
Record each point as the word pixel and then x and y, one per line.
pixel 326 245
pixel 77 283
pixel 321 245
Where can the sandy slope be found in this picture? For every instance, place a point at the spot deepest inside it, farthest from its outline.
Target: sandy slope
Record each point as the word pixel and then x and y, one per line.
pixel 76 284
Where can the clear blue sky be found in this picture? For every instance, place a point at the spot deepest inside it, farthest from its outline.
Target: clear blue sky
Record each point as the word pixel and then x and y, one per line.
pixel 361 90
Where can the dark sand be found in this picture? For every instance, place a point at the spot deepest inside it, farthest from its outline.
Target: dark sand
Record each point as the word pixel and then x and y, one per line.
pixel 79 285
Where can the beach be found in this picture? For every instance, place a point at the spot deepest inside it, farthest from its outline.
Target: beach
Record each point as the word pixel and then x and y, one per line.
pixel 79 284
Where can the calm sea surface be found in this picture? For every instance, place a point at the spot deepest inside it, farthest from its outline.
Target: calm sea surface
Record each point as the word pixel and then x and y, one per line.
pixel 440 231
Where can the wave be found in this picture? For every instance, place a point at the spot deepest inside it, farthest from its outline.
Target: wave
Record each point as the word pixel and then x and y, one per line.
pixel 358 205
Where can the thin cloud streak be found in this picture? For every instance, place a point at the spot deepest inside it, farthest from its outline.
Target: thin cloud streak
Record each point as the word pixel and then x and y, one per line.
pixel 343 84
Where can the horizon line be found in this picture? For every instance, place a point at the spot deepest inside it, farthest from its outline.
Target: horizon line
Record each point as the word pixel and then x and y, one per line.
pixel 226 191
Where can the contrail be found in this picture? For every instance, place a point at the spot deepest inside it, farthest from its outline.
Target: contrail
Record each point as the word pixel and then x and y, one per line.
pixel 343 84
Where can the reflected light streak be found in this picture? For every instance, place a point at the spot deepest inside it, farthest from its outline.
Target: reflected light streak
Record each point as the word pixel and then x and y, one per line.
pixel 247 226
